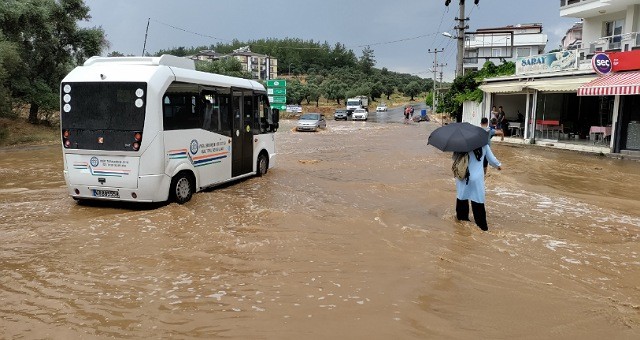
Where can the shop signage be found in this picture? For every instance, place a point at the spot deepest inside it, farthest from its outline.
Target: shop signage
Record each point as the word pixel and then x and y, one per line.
pixel 547 63
pixel 625 61
pixel 601 63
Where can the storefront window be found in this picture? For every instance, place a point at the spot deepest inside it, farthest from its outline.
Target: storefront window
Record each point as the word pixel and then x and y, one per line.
pixel 575 115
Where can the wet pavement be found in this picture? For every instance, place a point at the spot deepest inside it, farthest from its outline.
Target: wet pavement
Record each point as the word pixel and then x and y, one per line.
pixel 351 236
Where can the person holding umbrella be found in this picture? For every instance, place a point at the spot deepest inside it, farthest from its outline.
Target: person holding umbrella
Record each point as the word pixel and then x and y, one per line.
pixel 468 141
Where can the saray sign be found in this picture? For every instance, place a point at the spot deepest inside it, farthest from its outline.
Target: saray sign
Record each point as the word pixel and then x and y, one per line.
pixel 547 63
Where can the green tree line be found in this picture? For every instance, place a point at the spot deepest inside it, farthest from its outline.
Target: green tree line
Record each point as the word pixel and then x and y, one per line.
pixel 333 72
pixel 40 42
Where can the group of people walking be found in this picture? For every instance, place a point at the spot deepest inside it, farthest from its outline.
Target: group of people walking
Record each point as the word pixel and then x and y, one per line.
pixel 408 114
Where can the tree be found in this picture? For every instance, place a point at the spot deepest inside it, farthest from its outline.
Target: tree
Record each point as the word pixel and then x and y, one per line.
pixel 226 66
pixel 49 43
pixel 367 61
pixel 296 92
pixel 9 62
pixel 334 90
pixel 412 89
pixel 466 87
pixel 314 92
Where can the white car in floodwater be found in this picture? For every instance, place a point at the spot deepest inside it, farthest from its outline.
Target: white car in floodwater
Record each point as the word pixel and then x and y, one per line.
pixel 382 107
pixel 311 122
pixel 360 114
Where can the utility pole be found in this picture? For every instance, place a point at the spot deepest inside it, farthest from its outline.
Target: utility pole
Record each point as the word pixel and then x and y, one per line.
pixel 435 72
pixel 144 47
pixel 460 27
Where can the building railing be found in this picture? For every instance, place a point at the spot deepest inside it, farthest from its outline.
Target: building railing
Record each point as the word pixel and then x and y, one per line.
pixel 568 2
pixel 614 43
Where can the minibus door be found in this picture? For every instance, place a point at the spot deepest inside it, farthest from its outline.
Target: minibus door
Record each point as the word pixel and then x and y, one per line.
pixel 242 147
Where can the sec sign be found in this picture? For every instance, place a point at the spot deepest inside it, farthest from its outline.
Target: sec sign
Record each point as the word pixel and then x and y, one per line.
pixel 601 63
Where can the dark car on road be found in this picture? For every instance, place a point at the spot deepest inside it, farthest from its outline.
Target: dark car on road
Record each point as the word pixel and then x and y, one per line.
pixel 340 114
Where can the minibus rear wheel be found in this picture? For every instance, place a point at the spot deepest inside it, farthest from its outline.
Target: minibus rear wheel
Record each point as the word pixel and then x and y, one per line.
pixel 182 187
pixel 263 164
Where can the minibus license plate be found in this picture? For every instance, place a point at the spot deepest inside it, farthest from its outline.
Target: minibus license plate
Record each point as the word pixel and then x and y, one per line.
pixel 106 193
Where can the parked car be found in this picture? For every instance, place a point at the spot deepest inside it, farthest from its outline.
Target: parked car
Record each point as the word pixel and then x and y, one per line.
pixel 382 107
pixel 340 114
pixel 311 122
pixel 360 114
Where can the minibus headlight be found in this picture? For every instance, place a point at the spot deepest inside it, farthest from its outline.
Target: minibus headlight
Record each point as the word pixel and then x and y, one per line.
pixel 137 136
pixel 136 146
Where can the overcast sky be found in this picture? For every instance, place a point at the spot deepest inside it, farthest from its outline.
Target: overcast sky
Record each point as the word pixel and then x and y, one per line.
pixel 399 31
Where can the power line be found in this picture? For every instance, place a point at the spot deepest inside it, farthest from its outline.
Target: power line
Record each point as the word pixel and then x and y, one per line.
pixel 297 48
pixel 187 31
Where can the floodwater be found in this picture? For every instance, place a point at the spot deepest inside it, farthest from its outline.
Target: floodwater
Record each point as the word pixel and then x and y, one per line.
pixel 351 236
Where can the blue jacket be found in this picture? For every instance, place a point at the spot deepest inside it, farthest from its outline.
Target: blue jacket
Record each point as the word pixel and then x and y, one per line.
pixel 474 190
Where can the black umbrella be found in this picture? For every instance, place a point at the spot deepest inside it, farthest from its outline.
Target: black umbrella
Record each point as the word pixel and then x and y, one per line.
pixel 459 137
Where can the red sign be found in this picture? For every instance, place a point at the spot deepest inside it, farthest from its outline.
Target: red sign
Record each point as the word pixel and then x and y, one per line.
pixel 625 61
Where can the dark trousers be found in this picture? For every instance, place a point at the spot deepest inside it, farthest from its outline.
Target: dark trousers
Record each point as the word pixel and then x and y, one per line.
pixel 479 213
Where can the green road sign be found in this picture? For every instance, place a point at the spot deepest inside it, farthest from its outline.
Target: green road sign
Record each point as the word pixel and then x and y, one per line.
pixel 277 91
pixel 281 107
pixel 276 83
pixel 278 99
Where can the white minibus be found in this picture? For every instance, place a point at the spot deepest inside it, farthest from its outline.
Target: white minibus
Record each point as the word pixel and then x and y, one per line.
pixel 152 129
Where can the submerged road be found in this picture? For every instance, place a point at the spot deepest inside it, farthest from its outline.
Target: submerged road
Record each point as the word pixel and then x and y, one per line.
pixel 351 236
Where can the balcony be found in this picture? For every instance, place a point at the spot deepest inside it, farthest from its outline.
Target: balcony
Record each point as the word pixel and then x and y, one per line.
pixel 592 8
pixel 616 43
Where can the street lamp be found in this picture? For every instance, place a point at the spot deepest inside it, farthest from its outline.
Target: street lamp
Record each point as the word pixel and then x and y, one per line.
pixel 451 36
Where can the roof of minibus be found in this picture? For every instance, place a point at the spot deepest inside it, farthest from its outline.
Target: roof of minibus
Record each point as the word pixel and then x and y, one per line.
pixel 143 68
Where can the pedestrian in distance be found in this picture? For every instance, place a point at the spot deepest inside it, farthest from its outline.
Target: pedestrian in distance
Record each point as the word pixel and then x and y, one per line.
pixel 494 112
pixel 472 188
pixel 501 118
pixel 406 114
pixel 484 123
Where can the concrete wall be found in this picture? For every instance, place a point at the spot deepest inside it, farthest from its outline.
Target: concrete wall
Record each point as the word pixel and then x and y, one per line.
pixel 472 112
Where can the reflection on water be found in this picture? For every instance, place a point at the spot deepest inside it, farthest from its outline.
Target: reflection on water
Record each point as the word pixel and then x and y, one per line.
pixel 353 235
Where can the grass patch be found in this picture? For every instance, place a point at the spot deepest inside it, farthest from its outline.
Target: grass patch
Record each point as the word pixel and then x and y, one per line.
pixel 17 131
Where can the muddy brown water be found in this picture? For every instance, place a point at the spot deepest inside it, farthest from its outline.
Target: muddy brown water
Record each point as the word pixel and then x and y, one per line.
pixel 351 236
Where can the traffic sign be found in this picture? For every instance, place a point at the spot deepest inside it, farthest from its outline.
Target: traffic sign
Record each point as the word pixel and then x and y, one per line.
pixel 278 99
pixel 277 83
pixel 281 107
pixel 278 91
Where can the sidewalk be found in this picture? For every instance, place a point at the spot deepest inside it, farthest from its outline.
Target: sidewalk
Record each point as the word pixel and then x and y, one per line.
pixel 580 147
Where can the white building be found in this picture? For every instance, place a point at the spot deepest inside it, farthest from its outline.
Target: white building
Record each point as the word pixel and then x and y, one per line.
pixel 502 43
pixel 261 66
pixel 587 93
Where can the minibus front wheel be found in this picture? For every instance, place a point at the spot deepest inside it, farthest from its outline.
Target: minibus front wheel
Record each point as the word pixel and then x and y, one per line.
pixel 182 187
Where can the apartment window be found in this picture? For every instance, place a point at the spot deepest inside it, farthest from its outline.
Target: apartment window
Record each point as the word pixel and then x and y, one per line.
pixel 496 52
pixel 523 51
pixel 613 31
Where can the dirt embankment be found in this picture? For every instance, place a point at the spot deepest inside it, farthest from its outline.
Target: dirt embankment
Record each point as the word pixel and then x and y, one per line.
pixel 18 131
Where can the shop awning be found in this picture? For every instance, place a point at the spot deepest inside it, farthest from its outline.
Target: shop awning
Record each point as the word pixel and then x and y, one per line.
pixel 503 87
pixel 564 84
pixel 622 83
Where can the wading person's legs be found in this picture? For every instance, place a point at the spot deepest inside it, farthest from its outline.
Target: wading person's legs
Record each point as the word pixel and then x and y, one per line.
pixel 479 215
pixel 462 210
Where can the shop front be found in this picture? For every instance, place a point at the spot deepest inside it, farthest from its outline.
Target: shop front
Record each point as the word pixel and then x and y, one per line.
pixel 619 78
pixel 545 92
